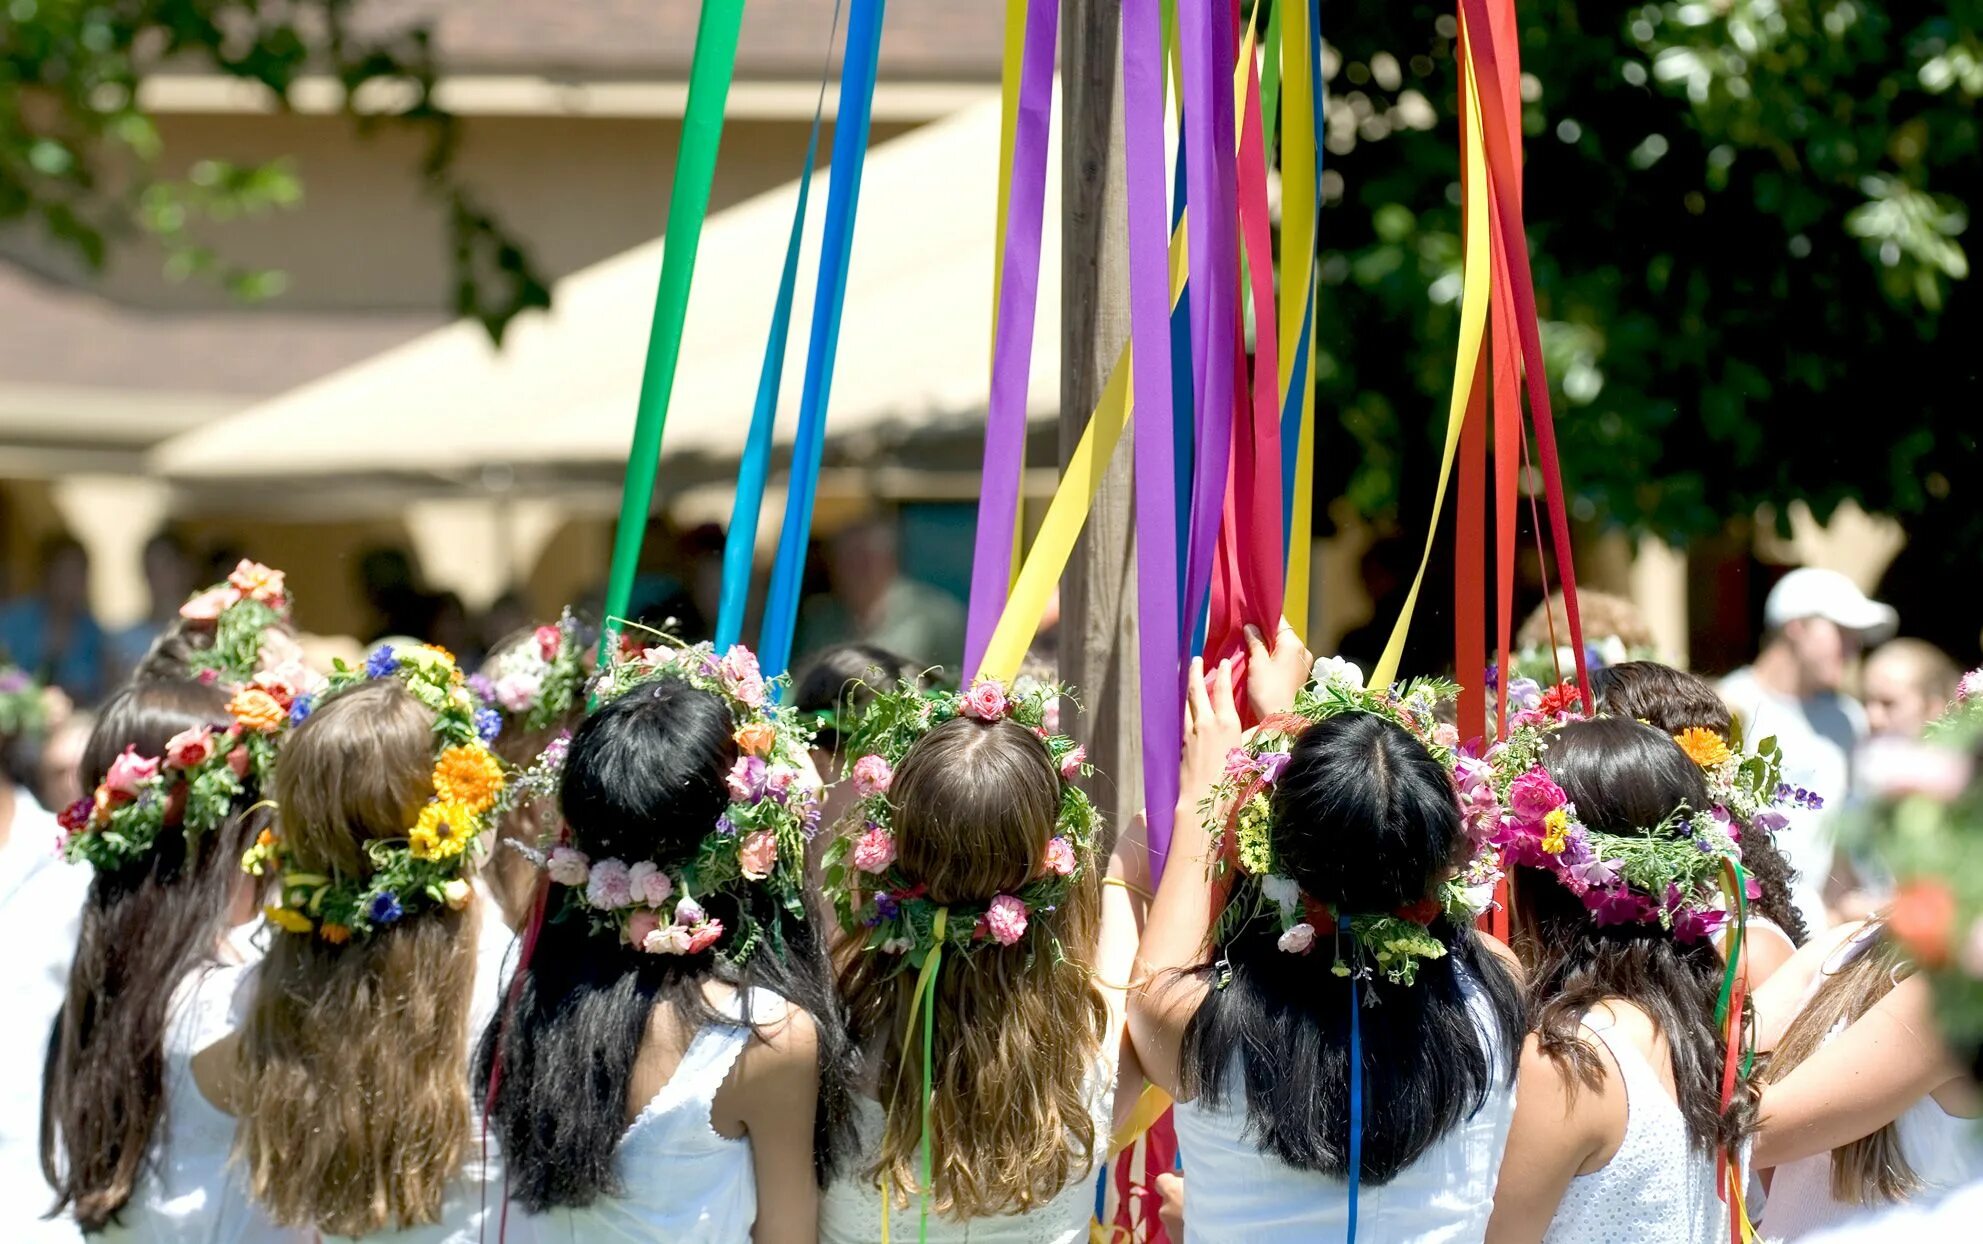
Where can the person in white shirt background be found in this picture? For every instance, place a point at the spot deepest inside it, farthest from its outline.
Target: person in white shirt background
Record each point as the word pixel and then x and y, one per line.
pixel 1816 624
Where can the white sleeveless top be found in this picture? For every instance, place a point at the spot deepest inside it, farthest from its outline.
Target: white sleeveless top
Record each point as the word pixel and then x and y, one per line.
pixel 682 1182
pixel 1235 1192
pixel 1657 1189
pixel 191 1192
pixel 850 1211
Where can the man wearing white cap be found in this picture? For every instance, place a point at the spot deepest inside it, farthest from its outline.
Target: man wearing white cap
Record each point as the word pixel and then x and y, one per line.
pixel 1817 622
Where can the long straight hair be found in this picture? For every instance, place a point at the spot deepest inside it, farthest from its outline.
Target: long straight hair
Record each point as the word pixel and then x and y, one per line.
pixel 644 780
pixel 354 1057
pixel 1364 819
pixel 145 928
pixel 1625 776
pixel 1017 1029
pixel 1871 1170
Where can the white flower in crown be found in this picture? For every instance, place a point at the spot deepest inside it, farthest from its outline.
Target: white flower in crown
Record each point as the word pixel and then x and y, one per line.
pixel 1281 891
pixel 1342 673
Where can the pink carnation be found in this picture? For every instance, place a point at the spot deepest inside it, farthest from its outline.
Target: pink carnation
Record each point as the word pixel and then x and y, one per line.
pixel 208 605
pixel 549 640
pixel 669 939
pixel 610 886
pixel 985 700
pixel 872 776
pixel 1060 856
pixel 640 924
pixel 129 772
pixel 568 866
pixel 757 855
pixel 875 850
pixel 1006 919
pixel 1070 764
pixel 705 935
pixel 1050 716
pixel 517 692
pixel 257 582
pixel 1240 763
pixel 1534 795
pixel 648 884
pixel 190 748
pixel 1446 734
pixel 1971 685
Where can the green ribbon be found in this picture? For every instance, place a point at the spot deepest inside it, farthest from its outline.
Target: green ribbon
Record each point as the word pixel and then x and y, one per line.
pixel 688 206
pixel 926 992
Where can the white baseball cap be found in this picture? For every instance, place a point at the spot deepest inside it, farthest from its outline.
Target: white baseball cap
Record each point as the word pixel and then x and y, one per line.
pixel 1810 592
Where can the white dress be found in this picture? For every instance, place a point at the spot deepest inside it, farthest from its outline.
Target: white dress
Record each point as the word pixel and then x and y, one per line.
pixel 191 1192
pixel 850 1211
pixel 41 903
pixel 1235 1192
pixel 1945 1151
pixel 1658 1188
pixel 682 1181
pixel 1953 1217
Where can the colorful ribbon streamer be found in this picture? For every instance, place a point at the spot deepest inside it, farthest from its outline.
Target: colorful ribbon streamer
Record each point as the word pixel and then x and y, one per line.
pixel 1012 352
pixel 843 192
pixel 710 71
pixel 740 544
pixel 1355 1167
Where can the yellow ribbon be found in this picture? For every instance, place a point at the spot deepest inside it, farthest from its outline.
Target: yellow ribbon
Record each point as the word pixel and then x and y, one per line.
pixel 1297 279
pixel 1473 324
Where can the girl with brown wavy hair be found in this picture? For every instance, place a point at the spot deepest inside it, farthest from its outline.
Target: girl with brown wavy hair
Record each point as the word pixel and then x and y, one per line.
pixel 127 1140
pixel 978 911
pixel 349 1074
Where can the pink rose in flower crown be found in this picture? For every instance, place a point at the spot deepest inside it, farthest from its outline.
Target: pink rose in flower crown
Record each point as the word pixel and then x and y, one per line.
pixel 129 773
pixel 648 884
pixel 985 700
pixel 872 776
pixel 1060 857
pixel 640 924
pixel 609 885
pixel 1297 940
pixel 1050 716
pixel 705 935
pixel 518 691
pixel 746 779
pixel 740 671
pixel 258 582
pixel 875 850
pixel 1446 734
pixel 1070 764
pixel 1534 795
pixel 549 640
pixel 207 606
pixel 1005 920
pixel 190 748
pixel 758 855
pixel 779 780
pixel 669 939
pixel 1240 763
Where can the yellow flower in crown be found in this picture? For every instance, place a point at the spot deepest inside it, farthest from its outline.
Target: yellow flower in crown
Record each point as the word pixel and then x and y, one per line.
pixel 470 776
pixel 443 831
pixel 1703 746
pixel 288 919
pixel 1555 831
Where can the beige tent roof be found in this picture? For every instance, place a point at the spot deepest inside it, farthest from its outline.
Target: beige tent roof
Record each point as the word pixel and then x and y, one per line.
pixel 914 344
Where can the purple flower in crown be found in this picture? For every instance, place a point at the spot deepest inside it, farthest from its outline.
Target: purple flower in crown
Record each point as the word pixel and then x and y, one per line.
pixel 1492 678
pixel 725 826
pixel 382 663
pixel 482 689
pixel 556 751
pixel 778 781
pixel 1271 766
pixel 1769 821
pixel 1619 905
pixel 1525 693
pixel 810 818
pixel 747 779
pixel 1593 873
pixel 299 712
pixel 488 724
pixel 13 682
pixel 887 906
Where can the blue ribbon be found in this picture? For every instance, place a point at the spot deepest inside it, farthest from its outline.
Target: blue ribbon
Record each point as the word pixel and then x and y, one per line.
pixel 1356 1099
pixel 740 546
pixel 843 193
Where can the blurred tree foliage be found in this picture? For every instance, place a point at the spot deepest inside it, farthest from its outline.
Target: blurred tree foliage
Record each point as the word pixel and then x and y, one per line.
pixel 79 157
pixel 1748 221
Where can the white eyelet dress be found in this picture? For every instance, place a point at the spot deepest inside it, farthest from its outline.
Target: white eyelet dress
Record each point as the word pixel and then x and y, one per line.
pixel 1235 1192
pixel 1657 1189
pixel 682 1182
pixel 850 1211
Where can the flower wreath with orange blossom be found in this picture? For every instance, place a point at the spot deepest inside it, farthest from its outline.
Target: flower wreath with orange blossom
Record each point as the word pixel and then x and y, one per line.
pixel 430 866
pixel 759 839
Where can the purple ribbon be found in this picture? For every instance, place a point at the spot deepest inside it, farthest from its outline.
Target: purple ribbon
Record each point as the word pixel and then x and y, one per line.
pixel 1012 351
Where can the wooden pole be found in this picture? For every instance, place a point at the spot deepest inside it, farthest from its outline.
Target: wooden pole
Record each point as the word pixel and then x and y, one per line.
pixel 1098 594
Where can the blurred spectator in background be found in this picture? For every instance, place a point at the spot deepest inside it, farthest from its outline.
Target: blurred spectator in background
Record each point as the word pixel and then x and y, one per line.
pixel 1614 632
pixel 872 602
pixel 57 778
pixel 52 634
pixel 1816 622
pixel 504 618
pixel 449 626
pixel 829 693
pixel 387 582
pixel 1908 683
pixel 168 568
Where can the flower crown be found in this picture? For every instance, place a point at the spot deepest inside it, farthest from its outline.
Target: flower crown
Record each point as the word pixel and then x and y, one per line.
pixel 538 681
pixel 1397 941
pixel 1671 874
pixel 1749 787
pixel 239 609
pixel 22 709
pixel 192 785
pixel 428 867
pixel 1963 717
pixel 892 911
pixel 760 839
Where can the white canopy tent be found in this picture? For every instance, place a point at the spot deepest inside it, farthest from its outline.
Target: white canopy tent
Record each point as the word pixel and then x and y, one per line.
pixel 561 393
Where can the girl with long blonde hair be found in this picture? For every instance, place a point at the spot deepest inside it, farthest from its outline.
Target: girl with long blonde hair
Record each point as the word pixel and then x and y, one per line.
pixel 980 974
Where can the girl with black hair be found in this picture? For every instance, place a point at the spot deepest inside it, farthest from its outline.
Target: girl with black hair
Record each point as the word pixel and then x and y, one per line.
pixel 655 1072
pixel 1271 1032
pixel 1620 1121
